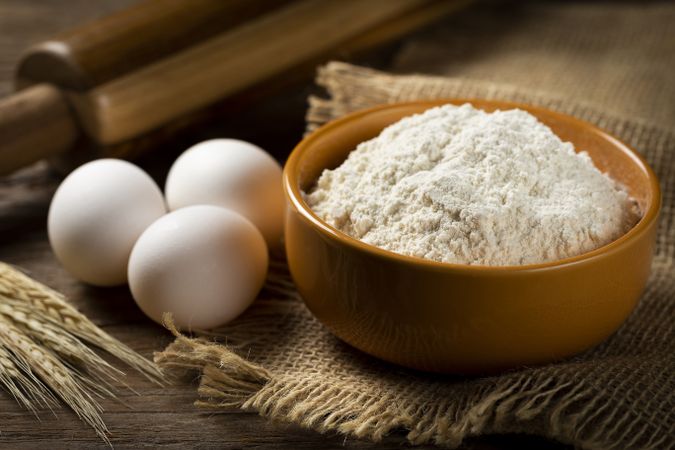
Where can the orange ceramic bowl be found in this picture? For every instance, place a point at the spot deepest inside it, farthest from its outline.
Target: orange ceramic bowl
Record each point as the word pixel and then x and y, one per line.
pixel 457 318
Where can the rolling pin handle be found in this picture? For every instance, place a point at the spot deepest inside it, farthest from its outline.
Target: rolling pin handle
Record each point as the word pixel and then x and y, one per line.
pixel 35 123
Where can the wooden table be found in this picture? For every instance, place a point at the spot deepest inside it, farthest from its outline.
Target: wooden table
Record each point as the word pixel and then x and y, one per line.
pixel 156 416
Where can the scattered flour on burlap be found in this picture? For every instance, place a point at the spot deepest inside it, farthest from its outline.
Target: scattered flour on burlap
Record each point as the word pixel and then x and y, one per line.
pixel 459 185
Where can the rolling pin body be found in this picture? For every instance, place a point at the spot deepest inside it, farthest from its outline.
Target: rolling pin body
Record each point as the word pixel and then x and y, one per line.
pixel 114 45
pixel 123 111
pixel 38 122
pixel 143 100
pixel 34 123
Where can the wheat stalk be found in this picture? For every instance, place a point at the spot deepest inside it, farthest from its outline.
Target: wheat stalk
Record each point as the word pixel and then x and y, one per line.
pixel 44 352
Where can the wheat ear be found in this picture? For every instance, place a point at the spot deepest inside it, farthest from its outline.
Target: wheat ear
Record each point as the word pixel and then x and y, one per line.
pixel 44 352
pixel 57 376
pixel 17 289
pixel 22 384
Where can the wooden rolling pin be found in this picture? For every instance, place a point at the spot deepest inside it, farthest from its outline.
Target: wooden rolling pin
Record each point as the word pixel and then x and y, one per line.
pixel 110 88
pixel 37 122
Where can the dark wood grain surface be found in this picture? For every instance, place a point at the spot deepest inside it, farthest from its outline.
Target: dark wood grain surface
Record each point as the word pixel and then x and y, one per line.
pixel 152 416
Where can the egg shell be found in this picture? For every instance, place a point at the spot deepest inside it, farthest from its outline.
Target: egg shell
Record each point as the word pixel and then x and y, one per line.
pixel 203 264
pixel 96 215
pixel 233 174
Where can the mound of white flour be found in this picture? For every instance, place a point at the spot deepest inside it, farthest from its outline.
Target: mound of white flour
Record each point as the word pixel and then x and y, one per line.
pixel 458 185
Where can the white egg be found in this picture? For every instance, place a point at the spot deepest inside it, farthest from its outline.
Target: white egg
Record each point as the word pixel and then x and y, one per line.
pixel 96 215
pixel 204 264
pixel 233 174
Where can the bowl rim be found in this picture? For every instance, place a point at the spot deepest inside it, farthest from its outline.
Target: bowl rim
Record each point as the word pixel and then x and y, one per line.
pixel 294 193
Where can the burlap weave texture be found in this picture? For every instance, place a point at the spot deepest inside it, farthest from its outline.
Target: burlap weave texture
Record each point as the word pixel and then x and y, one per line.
pixel 281 362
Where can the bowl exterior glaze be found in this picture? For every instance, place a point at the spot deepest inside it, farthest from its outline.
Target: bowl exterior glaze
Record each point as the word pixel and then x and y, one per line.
pixel 457 318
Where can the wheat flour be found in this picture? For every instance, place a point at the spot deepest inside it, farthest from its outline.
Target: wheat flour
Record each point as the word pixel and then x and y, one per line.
pixel 459 185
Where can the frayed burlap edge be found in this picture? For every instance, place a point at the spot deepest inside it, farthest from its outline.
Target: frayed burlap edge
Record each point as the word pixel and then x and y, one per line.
pixel 536 401
pixel 230 381
pixel 227 378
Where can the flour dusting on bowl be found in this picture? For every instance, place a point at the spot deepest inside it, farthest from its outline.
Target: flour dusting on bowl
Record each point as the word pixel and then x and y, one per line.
pixel 458 185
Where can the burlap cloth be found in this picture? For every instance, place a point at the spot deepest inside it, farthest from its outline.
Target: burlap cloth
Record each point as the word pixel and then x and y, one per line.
pixel 612 65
